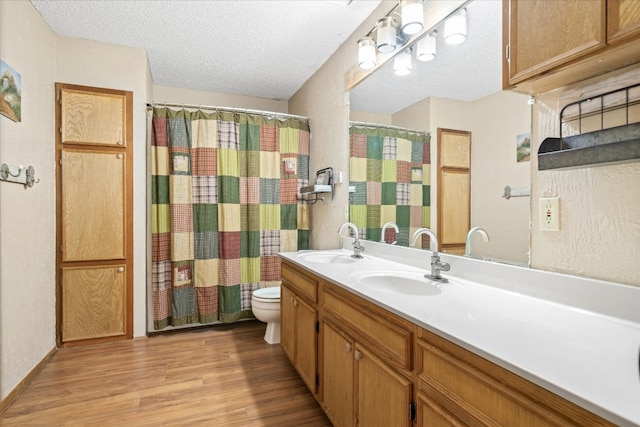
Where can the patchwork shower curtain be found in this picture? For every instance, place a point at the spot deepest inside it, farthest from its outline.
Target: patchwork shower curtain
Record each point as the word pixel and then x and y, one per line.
pixel 225 201
pixel 390 171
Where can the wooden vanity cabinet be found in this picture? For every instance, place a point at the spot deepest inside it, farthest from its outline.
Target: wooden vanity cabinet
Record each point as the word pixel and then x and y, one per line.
pixel 456 387
pixel 550 44
pixel 299 322
pixel 366 363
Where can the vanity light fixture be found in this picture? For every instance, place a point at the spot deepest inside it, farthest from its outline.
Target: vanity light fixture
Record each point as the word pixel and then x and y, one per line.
pixel 387 29
pixel 426 47
pixel 412 16
pixel 366 53
pixel 455 28
pixel 402 63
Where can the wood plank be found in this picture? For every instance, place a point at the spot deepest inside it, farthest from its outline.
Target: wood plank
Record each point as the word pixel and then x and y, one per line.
pixel 224 376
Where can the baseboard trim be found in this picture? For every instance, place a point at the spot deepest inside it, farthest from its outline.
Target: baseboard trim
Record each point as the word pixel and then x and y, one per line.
pixel 8 400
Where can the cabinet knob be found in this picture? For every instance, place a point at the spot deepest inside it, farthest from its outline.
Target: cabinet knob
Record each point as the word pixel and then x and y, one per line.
pixel 348 347
pixel 119 156
pixel 120 269
pixel 357 355
pixel 119 142
pixel 295 303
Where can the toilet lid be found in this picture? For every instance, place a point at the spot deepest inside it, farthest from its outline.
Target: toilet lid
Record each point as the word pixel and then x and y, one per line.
pixel 267 293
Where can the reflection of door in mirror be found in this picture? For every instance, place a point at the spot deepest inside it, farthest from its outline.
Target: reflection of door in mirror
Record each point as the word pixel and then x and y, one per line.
pixel 454 189
pixel 389 176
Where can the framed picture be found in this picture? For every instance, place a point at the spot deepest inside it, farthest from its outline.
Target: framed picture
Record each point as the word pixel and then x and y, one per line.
pixel 10 89
pixel 523 147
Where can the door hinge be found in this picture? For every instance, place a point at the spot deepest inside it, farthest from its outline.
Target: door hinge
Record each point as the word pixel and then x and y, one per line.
pixel 412 411
pixel 317 327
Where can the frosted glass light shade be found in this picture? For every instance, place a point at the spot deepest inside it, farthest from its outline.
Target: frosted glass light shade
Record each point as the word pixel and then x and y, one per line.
pixel 402 63
pixel 387 29
pixel 455 28
pixel 366 53
pixel 412 16
pixel 426 49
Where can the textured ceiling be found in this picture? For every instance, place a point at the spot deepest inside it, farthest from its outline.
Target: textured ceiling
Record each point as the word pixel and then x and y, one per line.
pixel 265 49
pixel 270 49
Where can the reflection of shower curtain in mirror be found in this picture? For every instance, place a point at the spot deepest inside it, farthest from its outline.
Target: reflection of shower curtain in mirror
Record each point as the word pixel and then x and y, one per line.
pixel 389 172
pixel 224 202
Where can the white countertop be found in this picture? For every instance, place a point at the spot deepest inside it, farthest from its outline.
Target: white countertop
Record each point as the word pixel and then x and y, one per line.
pixel 577 337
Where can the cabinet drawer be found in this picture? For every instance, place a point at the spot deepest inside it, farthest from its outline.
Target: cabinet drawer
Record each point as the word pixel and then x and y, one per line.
pixel 388 335
pixel 301 282
pixel 481 392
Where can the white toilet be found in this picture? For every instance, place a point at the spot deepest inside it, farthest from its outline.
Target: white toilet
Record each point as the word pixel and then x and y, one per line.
pixel 265 304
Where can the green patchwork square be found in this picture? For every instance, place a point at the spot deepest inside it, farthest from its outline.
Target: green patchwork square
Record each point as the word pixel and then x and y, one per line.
pixel 373 234
pixel 269 217
pixel 205 217
pixel 160 218
pixel 159 189
pixel 303 240
pixel 252 139
pixel 426 216
pixel 374 214
pixel 250 270
pixel 250 163
pixel 417 151
pixel 389 171
pixel 403 214
pixel 249 244
pixel 389 193
pixel 374 147
pixel 206 245
pixel 228 189
pixel 358 215
pixel 228 162
pixel 230 299
pixel 359 195
pixel 426 195
pixel 288 217
pixel 289 140
pixel 250 217
pixel 374 170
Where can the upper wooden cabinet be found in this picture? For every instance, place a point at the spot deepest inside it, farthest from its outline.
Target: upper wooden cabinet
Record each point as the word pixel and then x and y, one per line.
pixel 90 118
pixel 552 43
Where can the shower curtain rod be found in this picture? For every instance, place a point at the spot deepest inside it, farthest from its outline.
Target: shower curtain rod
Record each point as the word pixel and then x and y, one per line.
pixel 378 125
pixel 229 109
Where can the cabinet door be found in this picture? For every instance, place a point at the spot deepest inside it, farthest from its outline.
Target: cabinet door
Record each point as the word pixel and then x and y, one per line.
pixel 430 414
pixel 287 322
pixel 383 395
pixel 93 205
pixel 93 118
pixel 623 20
pixel 544 34
pixel 93 302
pixel 337 377
pixel 306 343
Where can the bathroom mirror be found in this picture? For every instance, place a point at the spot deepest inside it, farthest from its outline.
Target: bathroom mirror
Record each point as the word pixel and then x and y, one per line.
pixel 461 90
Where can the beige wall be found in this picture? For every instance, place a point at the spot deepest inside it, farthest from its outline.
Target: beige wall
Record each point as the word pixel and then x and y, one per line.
pixel 599 206
pixel 199 97
pixel 27 216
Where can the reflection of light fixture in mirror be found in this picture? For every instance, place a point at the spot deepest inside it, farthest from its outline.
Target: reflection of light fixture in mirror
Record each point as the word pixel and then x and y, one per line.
pixel 402 63
pixel 387 29
pixel 455 28
pixel 366 53
pixel 412 16
pixel 426 49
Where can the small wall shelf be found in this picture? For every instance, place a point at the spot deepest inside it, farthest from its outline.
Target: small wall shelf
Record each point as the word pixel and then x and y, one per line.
pixel 324 184
pixel 616 117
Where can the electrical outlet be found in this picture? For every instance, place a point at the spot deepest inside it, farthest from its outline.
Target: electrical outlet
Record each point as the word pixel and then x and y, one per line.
pixel 550 214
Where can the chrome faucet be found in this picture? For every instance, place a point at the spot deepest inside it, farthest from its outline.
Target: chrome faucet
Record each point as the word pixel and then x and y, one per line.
pixel 467 246
pixel 357 247
pixel 384 227
pixel 436 265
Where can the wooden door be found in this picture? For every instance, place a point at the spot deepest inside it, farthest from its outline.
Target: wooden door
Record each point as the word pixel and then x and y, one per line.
pixel 287 322
pixel 94 215
pixel 383 395
pixel 623 20
pixel 544 34
pixel 306 343
pixel 454 189
pixel 431 414
pixel 338 376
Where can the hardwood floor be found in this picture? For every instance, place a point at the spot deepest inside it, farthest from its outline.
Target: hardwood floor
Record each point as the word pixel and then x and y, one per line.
pixel 224 376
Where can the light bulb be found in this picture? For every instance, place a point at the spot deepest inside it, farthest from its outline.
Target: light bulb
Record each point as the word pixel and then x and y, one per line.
pixel 426 49
pixel 402 63
pixel 412 16
pixel 455 28
pixel 366 53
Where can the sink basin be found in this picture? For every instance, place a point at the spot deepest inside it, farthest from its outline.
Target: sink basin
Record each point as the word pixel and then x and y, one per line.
pixel 398 282
pixel 328 258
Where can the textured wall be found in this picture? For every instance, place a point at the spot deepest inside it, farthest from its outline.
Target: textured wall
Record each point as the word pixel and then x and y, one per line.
pixel 27 216
pixel 89 63
pixel 599 206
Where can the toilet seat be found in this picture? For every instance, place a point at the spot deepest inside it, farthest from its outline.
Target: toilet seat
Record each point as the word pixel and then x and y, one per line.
pixel 271 294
